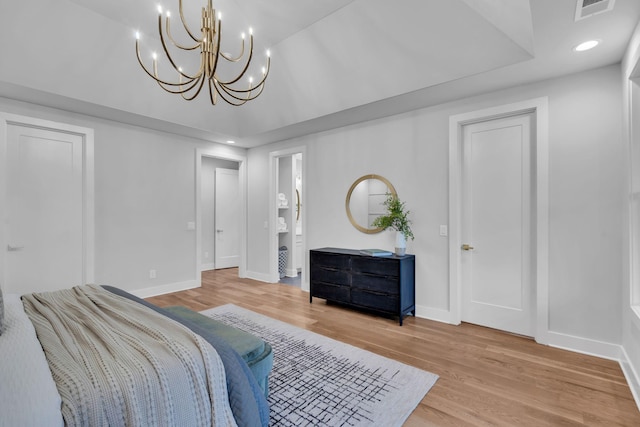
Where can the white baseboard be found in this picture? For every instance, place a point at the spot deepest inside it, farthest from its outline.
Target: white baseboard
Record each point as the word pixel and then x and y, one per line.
pixel 291 272
pixel 165 289
pixel 588 346
pixel 431 313
pixel 207 267
pixel 262 277
pixel 630 373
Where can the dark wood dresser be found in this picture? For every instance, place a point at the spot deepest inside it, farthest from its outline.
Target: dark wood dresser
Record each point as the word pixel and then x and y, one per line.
pixel 381 284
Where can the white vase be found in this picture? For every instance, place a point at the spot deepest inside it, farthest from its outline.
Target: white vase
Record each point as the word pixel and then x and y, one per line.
pixel 401 244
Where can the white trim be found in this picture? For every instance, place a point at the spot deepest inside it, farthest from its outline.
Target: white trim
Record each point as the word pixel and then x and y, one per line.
pixel 207 266
pixel 633 379
pixel 88 196
pixel 431 313
pixel 273 275
pixel 261 277
pixel 538 106
pixel 587 346
pixel 634 87
pixel 291 272
pixel 165 289
pixel 217 153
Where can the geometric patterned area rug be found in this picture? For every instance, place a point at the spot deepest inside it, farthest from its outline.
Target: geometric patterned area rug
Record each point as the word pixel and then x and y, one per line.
pixel 318 381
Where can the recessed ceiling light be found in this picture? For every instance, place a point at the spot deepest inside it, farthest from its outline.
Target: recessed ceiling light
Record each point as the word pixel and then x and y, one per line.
pixel 586 45
pixel 231 142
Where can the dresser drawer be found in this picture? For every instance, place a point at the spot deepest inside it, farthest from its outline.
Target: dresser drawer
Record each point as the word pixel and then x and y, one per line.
pixel 375 265
pixel 336 261
pixel 375 301
pixel 330 292
pixel 382 284
pixel 329 275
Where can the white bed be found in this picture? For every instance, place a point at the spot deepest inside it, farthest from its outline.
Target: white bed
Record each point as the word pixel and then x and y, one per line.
pixel 28 396
pixel 117 360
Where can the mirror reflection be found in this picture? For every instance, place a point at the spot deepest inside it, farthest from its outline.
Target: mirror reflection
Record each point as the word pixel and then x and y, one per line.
pixel 365 199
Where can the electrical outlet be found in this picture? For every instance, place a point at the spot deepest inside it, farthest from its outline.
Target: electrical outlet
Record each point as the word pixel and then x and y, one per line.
pixel 152 274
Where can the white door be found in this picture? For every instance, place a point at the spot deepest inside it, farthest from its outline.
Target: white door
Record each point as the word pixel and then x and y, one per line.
pixel 44 210
pixel 227 219
pixel 496 227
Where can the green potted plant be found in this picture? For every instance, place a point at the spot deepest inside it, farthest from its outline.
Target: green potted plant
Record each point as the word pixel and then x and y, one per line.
pixel 397 218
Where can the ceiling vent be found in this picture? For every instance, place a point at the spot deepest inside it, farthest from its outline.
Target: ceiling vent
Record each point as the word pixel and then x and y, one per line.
pixel 588 8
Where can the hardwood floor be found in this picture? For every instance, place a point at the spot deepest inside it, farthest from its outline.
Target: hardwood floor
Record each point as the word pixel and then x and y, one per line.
pixel 487 377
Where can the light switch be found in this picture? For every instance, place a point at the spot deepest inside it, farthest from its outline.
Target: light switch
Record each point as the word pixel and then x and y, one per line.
pixel 191 225
pixel 443 230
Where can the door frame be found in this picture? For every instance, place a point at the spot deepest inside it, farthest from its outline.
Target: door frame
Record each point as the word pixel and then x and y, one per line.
pixel 88 195
pixel 274 277
pixel 539 108
pixel 242 178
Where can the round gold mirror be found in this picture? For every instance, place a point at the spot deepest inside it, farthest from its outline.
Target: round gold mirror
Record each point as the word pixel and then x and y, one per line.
pixel 364 201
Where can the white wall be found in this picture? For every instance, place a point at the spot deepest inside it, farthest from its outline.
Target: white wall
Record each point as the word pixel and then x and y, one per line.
pixel 587 197
pixel 630 319
pixel 207 194
pixel 144 197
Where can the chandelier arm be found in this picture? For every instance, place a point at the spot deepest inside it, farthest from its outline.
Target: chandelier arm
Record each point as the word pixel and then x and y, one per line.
pixel 237 93
pixel 191 98
pixel 198 74
pixel 233 92
pixel 166 50
pixel 213 94
pixel 232 59
pixel 191 84
pixel 246 65
pixel 230 89
pixel 216 48
pixel 175 43
pixel 184 22
pixel 164 82
pixel 152 75
pixel 231 99
pixel 182 92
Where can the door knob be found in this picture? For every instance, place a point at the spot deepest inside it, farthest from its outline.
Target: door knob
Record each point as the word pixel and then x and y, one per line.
pixel 14 248
pixel 218 231
pixel 467 247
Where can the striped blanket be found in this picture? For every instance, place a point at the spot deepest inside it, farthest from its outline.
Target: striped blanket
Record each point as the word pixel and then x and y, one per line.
pixel 118 363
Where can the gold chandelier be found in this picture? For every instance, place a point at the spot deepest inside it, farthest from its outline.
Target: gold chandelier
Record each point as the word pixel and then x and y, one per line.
pixel 189 85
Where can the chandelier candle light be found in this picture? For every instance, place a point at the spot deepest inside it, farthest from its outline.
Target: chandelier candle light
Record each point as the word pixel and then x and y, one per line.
pixel 189 85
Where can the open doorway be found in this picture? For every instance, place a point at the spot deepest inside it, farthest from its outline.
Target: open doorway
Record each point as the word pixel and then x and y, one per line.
pixel 220 196
pixel 288 257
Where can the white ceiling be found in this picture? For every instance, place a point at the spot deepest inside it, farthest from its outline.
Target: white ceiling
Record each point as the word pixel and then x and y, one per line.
pixel 334 62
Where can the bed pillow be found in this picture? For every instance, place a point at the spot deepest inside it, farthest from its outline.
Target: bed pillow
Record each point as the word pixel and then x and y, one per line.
pixel 28 394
